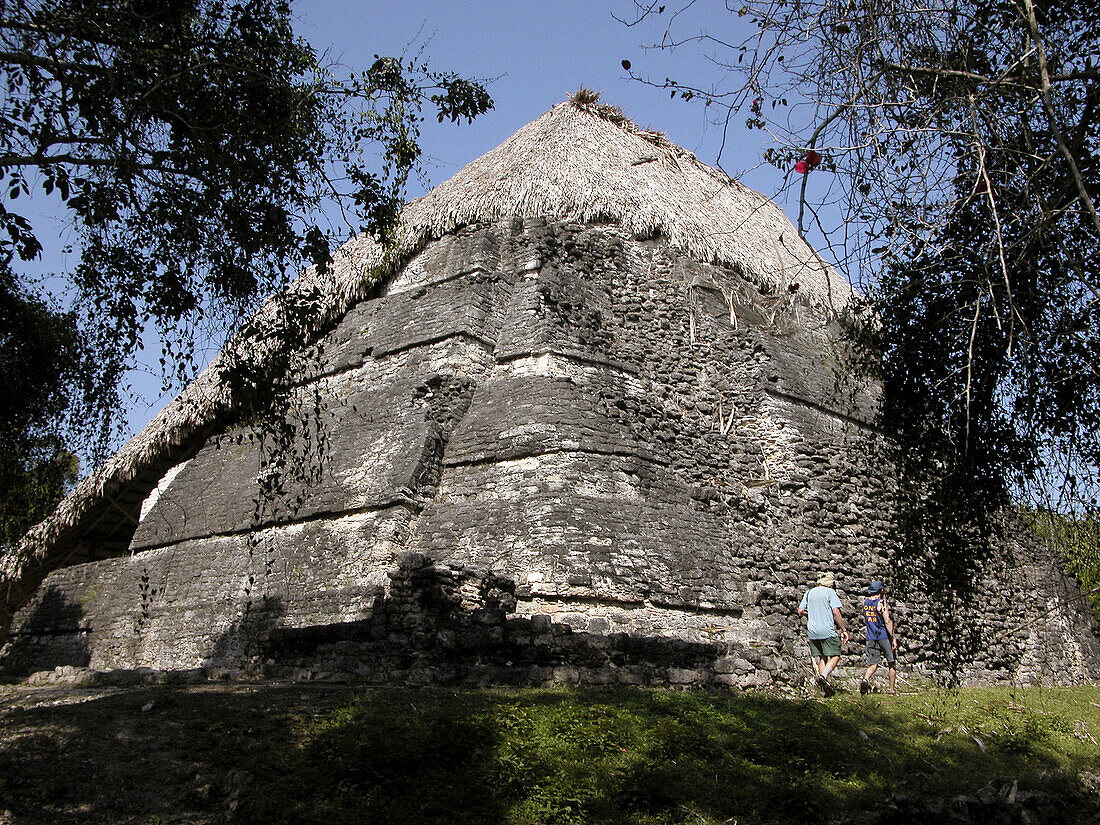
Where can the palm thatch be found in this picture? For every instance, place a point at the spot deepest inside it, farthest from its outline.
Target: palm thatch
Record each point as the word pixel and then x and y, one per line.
pixel 581 161
pixel 586 161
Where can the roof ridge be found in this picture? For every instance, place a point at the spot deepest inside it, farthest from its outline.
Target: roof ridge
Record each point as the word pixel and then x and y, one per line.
pixel 589 101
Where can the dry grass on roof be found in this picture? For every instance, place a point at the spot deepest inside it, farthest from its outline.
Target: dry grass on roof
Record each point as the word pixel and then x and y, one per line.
pixel 584 161
pixel 589 101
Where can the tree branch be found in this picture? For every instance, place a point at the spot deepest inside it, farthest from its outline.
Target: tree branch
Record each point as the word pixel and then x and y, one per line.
pixel 51 65
pixel 1052 117
pixel 92 162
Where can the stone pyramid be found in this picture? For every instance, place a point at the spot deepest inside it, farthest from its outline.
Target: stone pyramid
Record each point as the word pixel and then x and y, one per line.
pixel 591 423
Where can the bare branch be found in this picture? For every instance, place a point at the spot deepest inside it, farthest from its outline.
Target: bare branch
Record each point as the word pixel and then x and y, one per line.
pixel 54 66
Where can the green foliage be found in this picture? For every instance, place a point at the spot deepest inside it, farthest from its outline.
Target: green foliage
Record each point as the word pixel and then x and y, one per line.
pixel 40 357
pixel 34 481
pixel 989 320
pixel 1077 538
pixel 193 144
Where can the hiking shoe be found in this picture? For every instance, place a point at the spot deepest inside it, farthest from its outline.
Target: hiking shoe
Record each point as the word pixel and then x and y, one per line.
pixel 826 688
pixel 864 687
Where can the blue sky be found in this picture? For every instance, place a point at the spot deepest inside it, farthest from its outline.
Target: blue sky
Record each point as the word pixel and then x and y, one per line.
pixel 534 54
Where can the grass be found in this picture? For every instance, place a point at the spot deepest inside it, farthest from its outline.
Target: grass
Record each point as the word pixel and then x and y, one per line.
pixel 294 754
pixel 565 756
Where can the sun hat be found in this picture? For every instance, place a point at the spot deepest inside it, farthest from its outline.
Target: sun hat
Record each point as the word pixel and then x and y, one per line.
pixel 827 580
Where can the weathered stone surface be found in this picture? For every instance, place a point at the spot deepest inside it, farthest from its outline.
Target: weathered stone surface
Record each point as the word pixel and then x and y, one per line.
pixel 550 453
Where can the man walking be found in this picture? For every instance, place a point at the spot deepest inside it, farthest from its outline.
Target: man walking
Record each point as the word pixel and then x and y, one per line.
pixel 882 643
pixel 822 607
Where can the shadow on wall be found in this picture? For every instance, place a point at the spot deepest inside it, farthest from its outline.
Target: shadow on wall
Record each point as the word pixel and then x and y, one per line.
pixel 52 635
pixel 431 612
pixel 443 624
pixel 239 646
pixel 1006 610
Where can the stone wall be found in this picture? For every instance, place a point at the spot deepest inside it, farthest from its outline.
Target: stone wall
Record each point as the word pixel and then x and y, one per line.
pixel 645 457
pixel 450 624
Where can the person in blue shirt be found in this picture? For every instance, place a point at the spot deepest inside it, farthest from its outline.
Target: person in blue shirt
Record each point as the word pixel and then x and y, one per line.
pixel 821 606
pixel 882 643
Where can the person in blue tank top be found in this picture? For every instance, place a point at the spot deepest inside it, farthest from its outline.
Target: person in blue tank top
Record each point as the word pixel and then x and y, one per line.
pixel 882 643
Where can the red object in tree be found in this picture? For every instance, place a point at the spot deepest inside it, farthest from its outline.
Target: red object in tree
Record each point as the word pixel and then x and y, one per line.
pixel 626 65
pixel 811 161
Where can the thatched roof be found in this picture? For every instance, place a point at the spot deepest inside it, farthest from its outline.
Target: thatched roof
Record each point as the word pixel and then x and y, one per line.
pixel 580 161
pixel 586 161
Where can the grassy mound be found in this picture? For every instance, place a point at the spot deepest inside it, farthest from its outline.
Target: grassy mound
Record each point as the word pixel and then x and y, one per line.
pixel 315 754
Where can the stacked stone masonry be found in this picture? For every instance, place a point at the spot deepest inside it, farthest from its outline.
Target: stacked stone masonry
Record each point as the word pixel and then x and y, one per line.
pixel 544 452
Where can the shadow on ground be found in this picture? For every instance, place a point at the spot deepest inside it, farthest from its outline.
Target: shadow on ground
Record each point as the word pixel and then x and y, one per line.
pixel 315 754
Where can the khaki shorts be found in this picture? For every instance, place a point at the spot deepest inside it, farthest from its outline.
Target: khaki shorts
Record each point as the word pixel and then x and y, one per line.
pixel 879 649
pixel 825 648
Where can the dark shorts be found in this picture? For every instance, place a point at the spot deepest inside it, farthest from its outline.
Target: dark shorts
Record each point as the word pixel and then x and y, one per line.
pixel 825 648
pixel 879 649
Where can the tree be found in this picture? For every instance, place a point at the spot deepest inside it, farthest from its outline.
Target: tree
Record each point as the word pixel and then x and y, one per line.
pixel 946 155
pixel 1078 540
pixel 192 142
pixel 39 363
